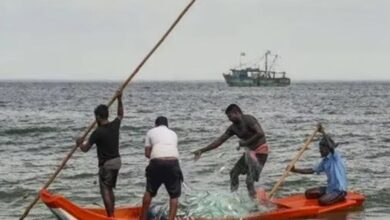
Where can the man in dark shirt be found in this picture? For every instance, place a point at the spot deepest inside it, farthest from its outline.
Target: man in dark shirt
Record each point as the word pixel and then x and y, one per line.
pixel 106 138
pixel 252 138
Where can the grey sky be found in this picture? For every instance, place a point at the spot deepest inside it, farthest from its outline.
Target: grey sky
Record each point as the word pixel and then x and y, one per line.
pixel 106 39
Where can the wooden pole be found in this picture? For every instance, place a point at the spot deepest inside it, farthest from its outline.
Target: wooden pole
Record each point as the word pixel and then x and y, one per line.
pixel 121 88
pixel 294 160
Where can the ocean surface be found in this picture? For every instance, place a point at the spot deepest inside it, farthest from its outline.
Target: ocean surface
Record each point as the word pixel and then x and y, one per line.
pixel 39 122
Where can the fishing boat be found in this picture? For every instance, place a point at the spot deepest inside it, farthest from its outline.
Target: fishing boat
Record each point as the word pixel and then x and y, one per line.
pixel 295 206
pixel 253 75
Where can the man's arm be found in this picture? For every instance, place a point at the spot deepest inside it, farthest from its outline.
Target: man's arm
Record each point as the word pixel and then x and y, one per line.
pixel 259 134
pixel 148 151
pixel 215 144
pixel 148 145
pixel 120 104
pixel 302 171
pixel 84 145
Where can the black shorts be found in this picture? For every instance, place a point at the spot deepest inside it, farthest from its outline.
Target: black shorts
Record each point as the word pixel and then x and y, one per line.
pixel 241 168
pixel 165 172
pixel 107 176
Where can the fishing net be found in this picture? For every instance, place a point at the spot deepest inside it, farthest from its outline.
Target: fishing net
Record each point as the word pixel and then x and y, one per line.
pixel 212 204
pixel 218 204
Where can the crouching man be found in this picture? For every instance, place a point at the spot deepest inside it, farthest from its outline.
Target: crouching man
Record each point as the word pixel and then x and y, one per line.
pixel 163 168
pixel 333 166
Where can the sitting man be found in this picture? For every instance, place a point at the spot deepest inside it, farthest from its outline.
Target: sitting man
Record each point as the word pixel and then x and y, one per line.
pixel 333 166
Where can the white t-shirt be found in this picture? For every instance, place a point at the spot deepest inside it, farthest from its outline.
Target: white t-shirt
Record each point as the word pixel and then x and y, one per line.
pixel 163 142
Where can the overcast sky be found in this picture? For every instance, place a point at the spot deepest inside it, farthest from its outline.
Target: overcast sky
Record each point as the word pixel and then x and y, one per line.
pixel 106 39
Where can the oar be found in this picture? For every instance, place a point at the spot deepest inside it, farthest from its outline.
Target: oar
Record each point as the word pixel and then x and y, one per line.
pixel 294 160
pixel 121 88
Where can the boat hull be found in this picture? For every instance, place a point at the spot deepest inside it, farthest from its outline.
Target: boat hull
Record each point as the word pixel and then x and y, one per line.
pixel 296 206
pixel 250 82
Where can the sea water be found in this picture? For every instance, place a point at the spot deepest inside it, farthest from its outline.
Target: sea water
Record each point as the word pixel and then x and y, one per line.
pixel 39 122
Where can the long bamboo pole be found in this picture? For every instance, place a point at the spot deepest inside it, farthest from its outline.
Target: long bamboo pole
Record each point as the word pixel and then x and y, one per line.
pixel 121 88
pixel 294 160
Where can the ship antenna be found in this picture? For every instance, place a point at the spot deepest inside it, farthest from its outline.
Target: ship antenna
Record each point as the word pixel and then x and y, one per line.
pixel 273 62
pixel 266 62
pixel 242 54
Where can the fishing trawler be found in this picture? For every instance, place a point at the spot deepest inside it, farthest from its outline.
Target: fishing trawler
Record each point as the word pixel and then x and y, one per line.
pixel 255 76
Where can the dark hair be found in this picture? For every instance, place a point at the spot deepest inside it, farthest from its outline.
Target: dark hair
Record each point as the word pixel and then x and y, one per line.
pixel 326 141
pixel 233 107
pixel 161 120
pixel 101 111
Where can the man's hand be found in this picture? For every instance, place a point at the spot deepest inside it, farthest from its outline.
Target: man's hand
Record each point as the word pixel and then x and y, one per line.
pixel 118 93
pixel 292 169
pixel 83 145
pixel 79 141
pixel 197 154
pixel 320 128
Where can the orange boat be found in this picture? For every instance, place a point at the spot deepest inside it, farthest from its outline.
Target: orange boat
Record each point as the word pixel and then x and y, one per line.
pixel 295 206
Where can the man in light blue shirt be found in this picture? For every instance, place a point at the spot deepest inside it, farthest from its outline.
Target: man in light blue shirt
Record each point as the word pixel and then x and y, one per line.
pixel 333 166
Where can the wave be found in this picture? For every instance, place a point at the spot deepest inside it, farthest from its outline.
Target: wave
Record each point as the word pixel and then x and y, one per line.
pixel 135 128
pixel 30 130
pixel 13 193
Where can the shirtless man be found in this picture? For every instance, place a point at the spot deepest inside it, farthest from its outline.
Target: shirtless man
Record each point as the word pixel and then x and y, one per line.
pixel 252 138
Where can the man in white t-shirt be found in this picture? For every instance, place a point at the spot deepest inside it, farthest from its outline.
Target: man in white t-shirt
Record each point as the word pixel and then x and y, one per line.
pixel 163 168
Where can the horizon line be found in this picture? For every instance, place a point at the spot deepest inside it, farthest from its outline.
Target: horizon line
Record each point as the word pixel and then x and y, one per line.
pixel 179 80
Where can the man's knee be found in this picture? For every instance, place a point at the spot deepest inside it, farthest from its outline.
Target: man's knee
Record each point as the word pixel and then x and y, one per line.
pixel 174 200
pixel 232 173
pixel 174 194
pixel 147 196
pixel 151 193
pixel 249 182
pixel 104 189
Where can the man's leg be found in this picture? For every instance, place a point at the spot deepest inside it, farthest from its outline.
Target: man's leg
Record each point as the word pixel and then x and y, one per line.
pixel 239 168
pixel 253 174
pixel 145 205
pixel 108 198
pixel 172 208
pixel 315 193
pixel 172 182
pixel 153 183
pixel 107 181
pixel 250 185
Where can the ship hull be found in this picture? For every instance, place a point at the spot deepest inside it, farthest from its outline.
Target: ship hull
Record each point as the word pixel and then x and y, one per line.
pixel 261 82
